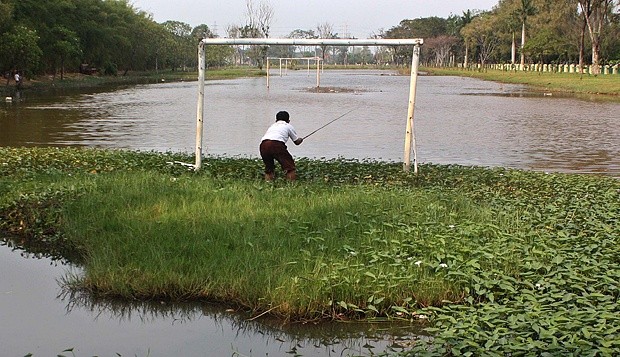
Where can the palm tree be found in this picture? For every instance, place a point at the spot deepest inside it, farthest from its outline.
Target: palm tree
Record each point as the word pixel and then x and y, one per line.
pixel 527 9
pixel 467 17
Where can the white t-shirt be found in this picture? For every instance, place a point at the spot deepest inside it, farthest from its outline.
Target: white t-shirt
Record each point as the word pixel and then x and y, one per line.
pixel 280 131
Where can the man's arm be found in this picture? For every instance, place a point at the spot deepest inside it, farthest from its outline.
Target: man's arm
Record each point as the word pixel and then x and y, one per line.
pixel 298 141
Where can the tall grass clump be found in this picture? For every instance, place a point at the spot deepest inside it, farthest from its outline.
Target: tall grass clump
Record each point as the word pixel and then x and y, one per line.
pixel 301 251
pixel 498 261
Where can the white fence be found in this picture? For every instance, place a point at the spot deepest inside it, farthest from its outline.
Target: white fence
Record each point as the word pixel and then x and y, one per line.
pixel 551 68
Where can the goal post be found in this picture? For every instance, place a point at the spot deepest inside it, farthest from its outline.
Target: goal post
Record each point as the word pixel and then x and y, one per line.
pixel 415 42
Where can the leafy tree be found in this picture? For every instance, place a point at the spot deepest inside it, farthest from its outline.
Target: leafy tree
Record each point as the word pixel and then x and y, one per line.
pixel 202 31
pixel 610 46
pixel 426 28
pixel 182 44
pixel 20 50
pixel 596 14
pixel 103 33
pixel 461 22
pixel 545 45
pixel 6 15
pixel 65 44
pixel 216 55
pixel 146 40
pixel 481 32
pixel 557 23
pixel 304 34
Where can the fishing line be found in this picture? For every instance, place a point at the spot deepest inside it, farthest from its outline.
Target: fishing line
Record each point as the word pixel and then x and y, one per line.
pixel 331 121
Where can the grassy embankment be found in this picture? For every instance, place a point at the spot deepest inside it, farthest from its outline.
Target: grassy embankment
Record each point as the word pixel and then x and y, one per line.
pixel 76 80
pixel 607 85
pixel 500 260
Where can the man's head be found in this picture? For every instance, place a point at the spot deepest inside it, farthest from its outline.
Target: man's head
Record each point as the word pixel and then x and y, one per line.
pixel 282 116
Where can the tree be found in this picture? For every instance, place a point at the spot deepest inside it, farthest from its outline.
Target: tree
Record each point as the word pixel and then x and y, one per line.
pixel 202 31
pixel 426 28
pixel 6 15
pixel 596 14
pixel 454 25
pixel 216 55
pixel 64 46
pixel 545 46
pixel 106 34
pixel 481 32
pixel 20 50
pixel 258 24
pixel 304 34
pixel 441 47
pixel 183 45
pixel 555 30
pixel 525 10
pixel 325 30
pixel 234 31
pixel 610 46
pixel 467 17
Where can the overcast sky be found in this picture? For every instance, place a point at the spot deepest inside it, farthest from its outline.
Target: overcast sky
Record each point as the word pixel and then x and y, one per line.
pixel 359 18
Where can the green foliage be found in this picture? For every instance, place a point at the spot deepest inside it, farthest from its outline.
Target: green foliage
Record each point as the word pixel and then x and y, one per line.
pixel 6 13
pixel 65 45
pixel 554 26
pixel 19 49
pixel 50 35
pixel 499 261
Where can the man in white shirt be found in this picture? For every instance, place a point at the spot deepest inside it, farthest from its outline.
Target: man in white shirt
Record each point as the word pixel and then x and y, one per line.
pixel 273 147
pixel 18 80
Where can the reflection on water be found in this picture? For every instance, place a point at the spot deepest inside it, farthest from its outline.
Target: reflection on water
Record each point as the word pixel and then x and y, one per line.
pixel 457 120
pixel 39 317
pixel 243 333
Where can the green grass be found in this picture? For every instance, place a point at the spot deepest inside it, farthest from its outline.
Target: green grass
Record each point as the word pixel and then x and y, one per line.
pixel 545 81
pixel 262 246
pixel 498 261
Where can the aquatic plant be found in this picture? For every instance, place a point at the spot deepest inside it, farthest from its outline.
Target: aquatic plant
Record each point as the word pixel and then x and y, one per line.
pixel 498 261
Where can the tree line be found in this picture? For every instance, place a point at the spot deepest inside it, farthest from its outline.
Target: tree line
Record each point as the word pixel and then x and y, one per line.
pixel 520 32
pixel 112 37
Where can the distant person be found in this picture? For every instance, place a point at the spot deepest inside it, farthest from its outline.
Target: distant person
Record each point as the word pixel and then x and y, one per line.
pixel 18 80
pixel 273 147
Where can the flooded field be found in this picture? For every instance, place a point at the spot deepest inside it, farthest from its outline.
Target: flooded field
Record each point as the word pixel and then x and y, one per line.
pixel 458 120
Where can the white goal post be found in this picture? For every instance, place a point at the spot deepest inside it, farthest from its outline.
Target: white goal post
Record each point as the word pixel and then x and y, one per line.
pixel 415 42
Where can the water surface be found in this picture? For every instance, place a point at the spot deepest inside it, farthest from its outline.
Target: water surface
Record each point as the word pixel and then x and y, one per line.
pixel 457 121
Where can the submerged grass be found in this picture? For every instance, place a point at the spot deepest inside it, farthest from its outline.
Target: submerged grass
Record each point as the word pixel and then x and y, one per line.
pixel 500 261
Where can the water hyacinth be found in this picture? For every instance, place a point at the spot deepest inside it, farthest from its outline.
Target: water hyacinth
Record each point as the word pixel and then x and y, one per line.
pixel 495 261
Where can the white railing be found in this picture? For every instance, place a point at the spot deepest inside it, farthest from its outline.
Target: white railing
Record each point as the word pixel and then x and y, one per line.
pixel 551 68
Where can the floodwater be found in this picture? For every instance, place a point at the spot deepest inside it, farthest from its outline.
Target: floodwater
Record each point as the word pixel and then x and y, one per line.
pixel 457 120
pixel 38 317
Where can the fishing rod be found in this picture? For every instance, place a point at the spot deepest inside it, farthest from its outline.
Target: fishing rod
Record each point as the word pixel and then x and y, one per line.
pixel 331 121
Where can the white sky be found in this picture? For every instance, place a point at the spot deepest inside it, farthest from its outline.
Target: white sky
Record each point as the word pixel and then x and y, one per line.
pixel 359 18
